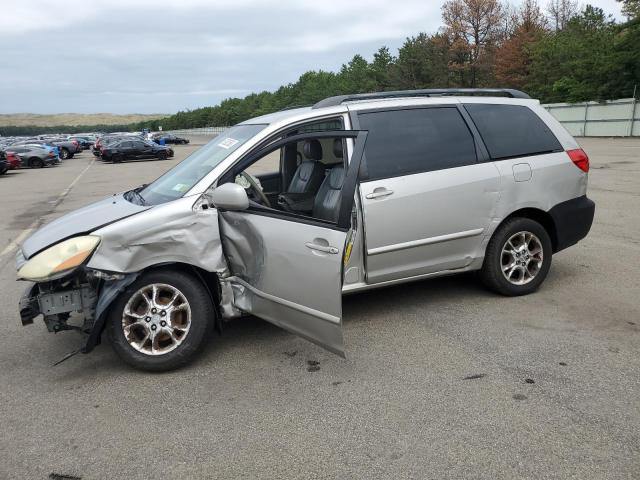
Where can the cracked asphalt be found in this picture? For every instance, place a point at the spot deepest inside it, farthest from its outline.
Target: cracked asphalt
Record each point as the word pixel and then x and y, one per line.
pixel 442 379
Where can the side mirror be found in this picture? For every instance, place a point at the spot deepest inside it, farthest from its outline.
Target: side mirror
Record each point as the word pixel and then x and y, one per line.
pixel 229 196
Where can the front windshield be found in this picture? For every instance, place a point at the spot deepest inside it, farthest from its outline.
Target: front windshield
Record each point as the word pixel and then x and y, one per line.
pixel 181 178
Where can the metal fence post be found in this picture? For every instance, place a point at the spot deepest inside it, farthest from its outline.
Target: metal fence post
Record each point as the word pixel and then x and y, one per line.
pixel 633 112
pixel 584 126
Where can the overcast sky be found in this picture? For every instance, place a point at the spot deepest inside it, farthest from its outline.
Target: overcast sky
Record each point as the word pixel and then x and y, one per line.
pixel 161 56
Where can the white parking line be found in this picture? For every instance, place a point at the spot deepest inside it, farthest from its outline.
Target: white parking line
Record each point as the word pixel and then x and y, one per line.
pixel 27 231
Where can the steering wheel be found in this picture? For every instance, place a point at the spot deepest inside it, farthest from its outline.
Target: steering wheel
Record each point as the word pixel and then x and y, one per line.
pixel 256 188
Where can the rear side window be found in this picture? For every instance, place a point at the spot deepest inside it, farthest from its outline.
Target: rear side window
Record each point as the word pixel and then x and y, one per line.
pixel 404 142
pixel 512 130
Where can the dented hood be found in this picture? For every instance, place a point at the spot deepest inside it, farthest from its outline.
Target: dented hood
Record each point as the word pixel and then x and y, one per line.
pixel 80 222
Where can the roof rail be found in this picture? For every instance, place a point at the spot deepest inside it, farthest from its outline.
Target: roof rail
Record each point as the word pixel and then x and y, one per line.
pixel 293 107
pixel 430 92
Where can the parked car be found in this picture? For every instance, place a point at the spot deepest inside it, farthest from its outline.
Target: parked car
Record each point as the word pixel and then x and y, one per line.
pixel 33 156
pixel 110 138
pixel 84 142
pixel 133 149
pixel 13 160
pixel 281 215
pixel 68 148
pixel 169 138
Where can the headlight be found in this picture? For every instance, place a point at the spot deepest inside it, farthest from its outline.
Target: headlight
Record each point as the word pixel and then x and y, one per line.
pixel 60 259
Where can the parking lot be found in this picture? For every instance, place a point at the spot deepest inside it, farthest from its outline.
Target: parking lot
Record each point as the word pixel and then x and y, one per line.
pixel 442 379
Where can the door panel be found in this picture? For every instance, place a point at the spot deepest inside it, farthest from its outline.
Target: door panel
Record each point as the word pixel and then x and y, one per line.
pixel 281 279
pixel 427 222
pixel 288 269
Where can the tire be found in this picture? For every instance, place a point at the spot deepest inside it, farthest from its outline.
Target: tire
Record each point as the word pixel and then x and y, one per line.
pixel 4 170
pixel 170 354
pixel 35 162
pixel 71 155
pixel 117 158
pixel 502 255
pixel 64 154
pixel 162 155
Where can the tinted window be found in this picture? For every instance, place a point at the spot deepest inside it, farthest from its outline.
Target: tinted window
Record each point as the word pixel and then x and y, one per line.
pixel 402 142
pixel 512 130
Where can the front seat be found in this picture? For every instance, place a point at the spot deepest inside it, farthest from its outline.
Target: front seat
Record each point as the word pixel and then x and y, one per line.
pixel 310 172
pixel 327 203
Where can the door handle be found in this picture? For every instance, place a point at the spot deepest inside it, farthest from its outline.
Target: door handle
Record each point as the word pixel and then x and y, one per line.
pixel 322 248
pixel 379 192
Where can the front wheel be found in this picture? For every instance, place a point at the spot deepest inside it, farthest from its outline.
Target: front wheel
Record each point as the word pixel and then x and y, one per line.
pixel 518 257
pixel 65 154
pixel 161 321
pixel 162 155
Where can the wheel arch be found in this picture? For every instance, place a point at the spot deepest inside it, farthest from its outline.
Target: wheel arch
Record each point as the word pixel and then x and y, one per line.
pixel 209 280
pixel 540 216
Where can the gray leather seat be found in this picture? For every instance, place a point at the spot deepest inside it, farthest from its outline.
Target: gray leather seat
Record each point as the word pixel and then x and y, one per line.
pixel 310 172
pixel 326 205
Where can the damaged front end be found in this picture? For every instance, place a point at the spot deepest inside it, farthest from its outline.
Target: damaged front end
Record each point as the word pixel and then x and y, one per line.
pixel 77 302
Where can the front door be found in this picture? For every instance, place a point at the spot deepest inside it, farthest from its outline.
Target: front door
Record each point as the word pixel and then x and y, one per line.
pixel 287 267
pixel 427 199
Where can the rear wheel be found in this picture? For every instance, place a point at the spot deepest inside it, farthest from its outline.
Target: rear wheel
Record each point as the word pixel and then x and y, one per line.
pixel 35 162
pixel 161 321
pixel 518 257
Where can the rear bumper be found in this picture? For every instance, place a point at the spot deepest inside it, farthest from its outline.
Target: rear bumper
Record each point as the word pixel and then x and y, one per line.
pixel 572 220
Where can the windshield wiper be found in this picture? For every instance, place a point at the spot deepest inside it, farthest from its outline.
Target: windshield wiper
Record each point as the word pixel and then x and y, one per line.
pixel 135 193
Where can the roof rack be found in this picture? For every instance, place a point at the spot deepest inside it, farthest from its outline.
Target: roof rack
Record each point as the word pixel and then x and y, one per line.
pixel 430 92
pixel 293 107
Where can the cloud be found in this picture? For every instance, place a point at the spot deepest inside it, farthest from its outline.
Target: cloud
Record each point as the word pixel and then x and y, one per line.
pixel 165 55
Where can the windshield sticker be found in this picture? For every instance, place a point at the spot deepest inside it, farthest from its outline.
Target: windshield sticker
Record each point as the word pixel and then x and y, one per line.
pixel 181 187
pixel 228 143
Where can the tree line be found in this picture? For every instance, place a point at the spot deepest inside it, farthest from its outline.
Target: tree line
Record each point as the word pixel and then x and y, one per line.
pixel 559 53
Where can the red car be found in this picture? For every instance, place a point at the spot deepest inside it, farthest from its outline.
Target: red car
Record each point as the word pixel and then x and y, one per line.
pixel 13 160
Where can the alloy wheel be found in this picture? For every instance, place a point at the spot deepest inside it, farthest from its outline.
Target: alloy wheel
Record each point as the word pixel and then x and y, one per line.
pixel 521 258
pixel 156 319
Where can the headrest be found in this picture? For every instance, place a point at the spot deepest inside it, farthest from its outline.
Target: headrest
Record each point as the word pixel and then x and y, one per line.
pixel 337 148
pixel 312 149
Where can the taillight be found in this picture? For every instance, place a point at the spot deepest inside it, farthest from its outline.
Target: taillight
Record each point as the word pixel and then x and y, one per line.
pixel 50 154
pixel 579 158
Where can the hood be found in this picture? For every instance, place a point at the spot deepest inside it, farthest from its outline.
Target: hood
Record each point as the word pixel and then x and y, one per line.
pixel 80 222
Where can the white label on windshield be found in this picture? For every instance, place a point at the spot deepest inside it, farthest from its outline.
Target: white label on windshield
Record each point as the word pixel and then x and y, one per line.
pixel 180 187
pixel 228 143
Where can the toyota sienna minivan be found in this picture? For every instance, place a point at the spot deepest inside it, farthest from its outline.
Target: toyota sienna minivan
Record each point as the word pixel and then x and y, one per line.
pixel 281 215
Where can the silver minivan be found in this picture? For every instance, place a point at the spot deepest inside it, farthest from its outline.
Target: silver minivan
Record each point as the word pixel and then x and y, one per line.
pixel 281 215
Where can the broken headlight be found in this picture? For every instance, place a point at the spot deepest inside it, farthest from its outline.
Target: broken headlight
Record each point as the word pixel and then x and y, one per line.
pixel 59 260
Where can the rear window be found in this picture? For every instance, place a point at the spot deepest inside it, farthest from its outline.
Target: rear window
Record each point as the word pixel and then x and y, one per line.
pixel 404 142
pixel 512 130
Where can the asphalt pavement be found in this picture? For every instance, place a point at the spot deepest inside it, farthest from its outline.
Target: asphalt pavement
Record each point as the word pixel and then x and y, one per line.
pixel 442 379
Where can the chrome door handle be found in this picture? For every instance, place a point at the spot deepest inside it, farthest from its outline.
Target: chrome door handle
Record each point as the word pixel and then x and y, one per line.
pixel 322 248
pixel 377 193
